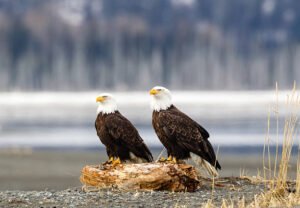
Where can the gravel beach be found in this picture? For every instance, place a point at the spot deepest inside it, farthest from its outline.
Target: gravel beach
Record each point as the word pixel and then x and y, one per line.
pixel 50 179
pixel 228 188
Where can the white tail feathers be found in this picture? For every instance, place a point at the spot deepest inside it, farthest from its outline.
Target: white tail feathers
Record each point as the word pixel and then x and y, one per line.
pixel 211 170
pixel 135 159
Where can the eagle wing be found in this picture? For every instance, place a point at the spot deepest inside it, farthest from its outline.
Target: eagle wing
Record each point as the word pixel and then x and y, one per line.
pixel 123 131
pixel 188 134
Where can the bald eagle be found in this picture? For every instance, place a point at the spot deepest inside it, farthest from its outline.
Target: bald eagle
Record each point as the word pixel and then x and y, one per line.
pixel 121 138
pixel 180 135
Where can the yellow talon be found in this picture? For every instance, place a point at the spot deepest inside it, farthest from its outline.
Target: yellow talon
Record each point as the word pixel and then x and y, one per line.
pixel 174 160
pixel 162 159
pixel 116 162
pixel 170 158
pixel 109 161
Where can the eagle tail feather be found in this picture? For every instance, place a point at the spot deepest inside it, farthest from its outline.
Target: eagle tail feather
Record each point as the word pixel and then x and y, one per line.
pixel 211 170
pixel 143 153
pixel 135 159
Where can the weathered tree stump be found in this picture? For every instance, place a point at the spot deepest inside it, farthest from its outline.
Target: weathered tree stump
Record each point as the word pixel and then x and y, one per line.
pixel 145 176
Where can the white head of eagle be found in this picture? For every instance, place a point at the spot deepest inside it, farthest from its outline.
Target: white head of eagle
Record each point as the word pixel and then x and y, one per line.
pixel 107 103
pixel 161 98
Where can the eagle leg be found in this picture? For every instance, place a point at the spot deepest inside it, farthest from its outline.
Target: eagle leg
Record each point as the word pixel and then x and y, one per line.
pixel 109 161
pixel 170 158
pixel 174 160
pixel 116 162
pixel 162 159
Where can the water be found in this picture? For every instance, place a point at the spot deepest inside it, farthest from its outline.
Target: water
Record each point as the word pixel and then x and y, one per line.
pixel 86 137
pixel 67 119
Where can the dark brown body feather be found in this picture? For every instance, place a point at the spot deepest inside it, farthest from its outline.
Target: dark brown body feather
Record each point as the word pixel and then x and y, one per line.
pixel 181 135
pixel 120 137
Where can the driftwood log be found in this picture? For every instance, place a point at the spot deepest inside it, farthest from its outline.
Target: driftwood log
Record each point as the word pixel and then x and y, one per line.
pixel 143 177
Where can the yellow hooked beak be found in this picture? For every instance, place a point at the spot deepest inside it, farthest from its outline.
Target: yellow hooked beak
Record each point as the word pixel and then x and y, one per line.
pixel 153 92
pixel 100 99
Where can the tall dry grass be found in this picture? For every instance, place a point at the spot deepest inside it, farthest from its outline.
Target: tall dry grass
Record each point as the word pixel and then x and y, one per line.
pixel 298 172
pixel 275 174
pixel 277 193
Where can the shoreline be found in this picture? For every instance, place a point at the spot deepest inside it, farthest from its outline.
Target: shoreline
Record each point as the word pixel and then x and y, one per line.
pixel 234 189
pixel 60 169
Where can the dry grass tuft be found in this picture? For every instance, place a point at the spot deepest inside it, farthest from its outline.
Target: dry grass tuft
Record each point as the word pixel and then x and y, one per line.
pixel 277 193
pixel 209 204
pixel 275 176
pixel 241 203
pixel 298 172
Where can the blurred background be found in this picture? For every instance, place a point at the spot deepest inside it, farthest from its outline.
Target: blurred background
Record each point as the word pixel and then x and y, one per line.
pixel 221 60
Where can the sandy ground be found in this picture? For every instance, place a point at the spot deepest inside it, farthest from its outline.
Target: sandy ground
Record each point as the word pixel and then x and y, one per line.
pixel 58 170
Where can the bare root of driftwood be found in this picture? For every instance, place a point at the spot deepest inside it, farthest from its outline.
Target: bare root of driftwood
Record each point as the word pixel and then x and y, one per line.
pixel 145 176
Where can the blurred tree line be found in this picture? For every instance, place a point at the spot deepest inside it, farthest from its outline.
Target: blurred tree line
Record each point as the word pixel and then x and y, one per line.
pixel 134 44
